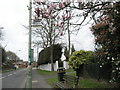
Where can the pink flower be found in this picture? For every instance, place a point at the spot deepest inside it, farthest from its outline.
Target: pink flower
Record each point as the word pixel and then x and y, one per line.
pixel 37 11
pixel 37 2
pixel 79 1
pixel 58 17
pixel 61 5
pixel 67 1
pixel 51 7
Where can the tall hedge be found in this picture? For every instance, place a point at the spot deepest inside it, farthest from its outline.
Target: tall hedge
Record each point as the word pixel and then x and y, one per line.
pixel 44 55
pixel 107 39
pixel 3 55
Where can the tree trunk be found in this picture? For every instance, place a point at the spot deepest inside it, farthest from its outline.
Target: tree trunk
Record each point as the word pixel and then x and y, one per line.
pixel 51 49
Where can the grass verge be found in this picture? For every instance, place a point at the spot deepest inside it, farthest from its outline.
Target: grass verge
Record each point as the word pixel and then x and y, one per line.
pixel 7 70
pixel 92 83
pixel 83 82
pixel 52 81
pixel 69 70
pixel 44 72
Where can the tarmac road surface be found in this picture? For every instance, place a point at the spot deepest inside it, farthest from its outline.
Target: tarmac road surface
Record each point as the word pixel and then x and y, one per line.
pixel 14 79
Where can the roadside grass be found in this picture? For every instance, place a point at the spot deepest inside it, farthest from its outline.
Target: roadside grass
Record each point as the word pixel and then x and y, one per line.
pixel 52 81
pixel 92 83
pixel 69 70
pixel 83 82
pixel 72 74
pixel 10 69
pixel 7 70
pixel 44 72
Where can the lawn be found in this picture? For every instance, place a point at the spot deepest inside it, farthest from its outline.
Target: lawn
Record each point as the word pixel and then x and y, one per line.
pixel 10 69
pixel 69 70
pixel 52 81
pixel 7 70
pixel 83 82
pixel 44 72
pixel 91 83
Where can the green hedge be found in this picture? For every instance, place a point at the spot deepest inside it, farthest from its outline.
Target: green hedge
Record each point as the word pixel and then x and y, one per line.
pixel 44 55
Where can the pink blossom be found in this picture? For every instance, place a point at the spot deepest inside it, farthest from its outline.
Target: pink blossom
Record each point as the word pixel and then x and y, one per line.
pixel 67 1
pixel 37 11
pixel 57 24
pixel 61 5
pixel 79 1
pixel 63 17
pixel 68 16
pixel 44 11
pixel 58 17
pixel 45 16
pixel 61 34
pixel 62 23
pixel 37 2
pixel 51 7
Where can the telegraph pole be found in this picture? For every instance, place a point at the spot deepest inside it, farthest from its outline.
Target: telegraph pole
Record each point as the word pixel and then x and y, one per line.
pixel 29 76
pixel 30 29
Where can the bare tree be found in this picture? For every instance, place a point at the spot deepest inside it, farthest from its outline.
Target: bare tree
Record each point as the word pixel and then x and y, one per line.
pixel 11 56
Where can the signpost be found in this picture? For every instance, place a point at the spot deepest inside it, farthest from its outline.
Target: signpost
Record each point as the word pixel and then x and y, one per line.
pixel 31 55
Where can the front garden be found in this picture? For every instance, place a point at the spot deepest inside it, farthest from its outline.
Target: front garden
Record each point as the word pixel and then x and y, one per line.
pixel 83 82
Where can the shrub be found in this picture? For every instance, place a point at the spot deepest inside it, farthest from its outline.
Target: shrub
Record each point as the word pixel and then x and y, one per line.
pixel 80 57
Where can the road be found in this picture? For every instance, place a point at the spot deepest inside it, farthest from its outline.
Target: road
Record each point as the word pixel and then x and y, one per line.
pixel 14 79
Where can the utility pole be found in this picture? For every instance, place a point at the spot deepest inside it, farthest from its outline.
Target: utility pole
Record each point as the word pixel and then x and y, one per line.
pixel 29 77
pixel 30 29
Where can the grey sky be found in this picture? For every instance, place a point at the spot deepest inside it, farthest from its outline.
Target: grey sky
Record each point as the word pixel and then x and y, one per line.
pixel 14 14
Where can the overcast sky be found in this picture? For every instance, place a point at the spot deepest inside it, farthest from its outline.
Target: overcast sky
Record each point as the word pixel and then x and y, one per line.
pixel 14 14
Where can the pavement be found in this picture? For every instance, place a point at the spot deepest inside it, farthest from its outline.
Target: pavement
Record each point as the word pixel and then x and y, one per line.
pixel 38 81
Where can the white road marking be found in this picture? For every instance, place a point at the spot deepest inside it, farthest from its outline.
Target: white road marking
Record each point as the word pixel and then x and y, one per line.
pixel 2 77
pixel 34 81
pixel 11 74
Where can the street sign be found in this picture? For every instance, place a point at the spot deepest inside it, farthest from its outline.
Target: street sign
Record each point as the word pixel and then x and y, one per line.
pixel 31 55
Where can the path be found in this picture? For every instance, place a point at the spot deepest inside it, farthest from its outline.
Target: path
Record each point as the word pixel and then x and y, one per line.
pixel 38 81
